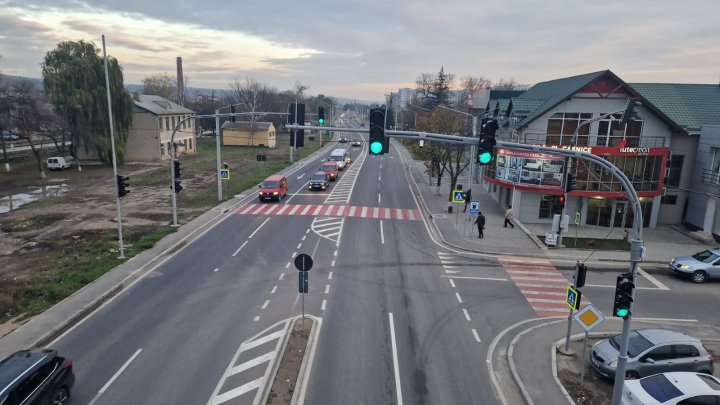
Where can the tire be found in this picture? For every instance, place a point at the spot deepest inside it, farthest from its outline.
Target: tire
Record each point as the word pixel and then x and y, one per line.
pixel 699 277
pixel 61 397
pixel 631 375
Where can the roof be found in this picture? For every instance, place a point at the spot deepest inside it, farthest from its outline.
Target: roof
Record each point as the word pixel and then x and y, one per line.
pixel 159 105
pixel 657 336
pixel 18 363
pixel 275 177
pixel 247 125
pixel 689 105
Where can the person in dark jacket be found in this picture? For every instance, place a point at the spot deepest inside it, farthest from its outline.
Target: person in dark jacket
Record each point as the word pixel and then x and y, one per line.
pixel 480 221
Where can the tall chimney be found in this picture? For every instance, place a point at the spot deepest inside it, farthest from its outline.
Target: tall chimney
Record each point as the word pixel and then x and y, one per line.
pixel 180 83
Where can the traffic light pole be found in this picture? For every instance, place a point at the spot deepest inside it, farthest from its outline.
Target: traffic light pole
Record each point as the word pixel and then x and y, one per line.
pixel 114 159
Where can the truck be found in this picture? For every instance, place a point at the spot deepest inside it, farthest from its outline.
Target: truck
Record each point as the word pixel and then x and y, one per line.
pixel 60 162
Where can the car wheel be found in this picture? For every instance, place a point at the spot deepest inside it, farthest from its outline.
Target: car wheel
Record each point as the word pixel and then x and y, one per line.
pixel 699 277
pixel 61 397
pixel 631 375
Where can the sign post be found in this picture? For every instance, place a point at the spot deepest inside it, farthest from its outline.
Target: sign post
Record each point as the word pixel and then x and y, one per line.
pixel 303 263
pixel 588 318
pixel 474 206
pixel 578 218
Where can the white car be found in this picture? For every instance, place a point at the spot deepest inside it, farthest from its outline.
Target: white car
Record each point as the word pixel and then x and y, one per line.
pixel 675 388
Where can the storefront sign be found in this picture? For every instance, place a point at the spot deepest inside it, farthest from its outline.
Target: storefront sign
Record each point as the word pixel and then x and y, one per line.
pixel 538 170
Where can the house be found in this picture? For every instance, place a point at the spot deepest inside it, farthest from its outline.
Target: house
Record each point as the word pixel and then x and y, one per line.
pixel 248 133
pixel 154 119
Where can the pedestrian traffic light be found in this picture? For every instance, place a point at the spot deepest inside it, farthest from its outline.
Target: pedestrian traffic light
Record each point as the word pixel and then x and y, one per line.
pixel 570 183
pixel 123 182
pixel 178 187
pixel 631 112
pixel 177 168
pixel 377 131
pixel 561 204
pixel 486 145
pixel 580 274
pixel 623 295
pixel 321 116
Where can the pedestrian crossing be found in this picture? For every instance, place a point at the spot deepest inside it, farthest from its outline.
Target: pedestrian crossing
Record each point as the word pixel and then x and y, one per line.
pixel 340 192
pixel 542 285
pixel 330 210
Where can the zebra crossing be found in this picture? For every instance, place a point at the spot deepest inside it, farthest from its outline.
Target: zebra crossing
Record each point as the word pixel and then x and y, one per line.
pixel 340 193
pixel 542 285
pixel 330 210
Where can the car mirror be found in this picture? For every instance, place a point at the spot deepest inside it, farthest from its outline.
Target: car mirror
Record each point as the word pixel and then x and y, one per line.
pixel 259 185
pixel 650 360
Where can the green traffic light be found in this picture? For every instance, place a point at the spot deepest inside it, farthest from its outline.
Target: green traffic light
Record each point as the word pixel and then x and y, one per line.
pixel 622 312
pixel 485 158
pixel 376 147
pixel 321 121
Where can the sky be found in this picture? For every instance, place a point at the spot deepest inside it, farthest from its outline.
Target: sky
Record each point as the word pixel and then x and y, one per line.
pixel 366 49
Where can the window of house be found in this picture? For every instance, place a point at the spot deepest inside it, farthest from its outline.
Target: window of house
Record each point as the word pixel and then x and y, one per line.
pixel 167 123
pixel 612 133
pixel 561 126
pixel 162 149
pixel 668 200
pixel 173 122
pixel 674 170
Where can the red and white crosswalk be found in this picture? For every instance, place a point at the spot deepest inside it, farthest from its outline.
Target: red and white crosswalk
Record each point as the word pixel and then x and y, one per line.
pixel 330 210
pixel 543 286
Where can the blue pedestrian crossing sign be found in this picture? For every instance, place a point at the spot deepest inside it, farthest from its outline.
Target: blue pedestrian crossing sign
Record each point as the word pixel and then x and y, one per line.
pixel 573 298
pixel 475 207
pixel 458 197
pixel 225 174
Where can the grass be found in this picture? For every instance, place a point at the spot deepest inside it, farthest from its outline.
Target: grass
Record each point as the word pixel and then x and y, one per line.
pixel 32 223
pixel 592 243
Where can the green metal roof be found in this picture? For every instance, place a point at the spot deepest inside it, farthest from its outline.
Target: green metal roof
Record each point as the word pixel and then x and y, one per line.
pixel 689 105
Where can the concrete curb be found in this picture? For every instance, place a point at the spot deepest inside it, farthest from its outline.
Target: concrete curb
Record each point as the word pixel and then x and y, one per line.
pixel 306 365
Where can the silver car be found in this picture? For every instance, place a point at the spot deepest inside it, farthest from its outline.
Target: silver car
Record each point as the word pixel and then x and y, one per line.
pixel 652 351
pixel 700 266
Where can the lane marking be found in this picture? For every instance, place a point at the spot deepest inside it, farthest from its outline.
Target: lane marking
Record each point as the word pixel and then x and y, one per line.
pixel 333 263
pixel 330 276
pixel 257 318
pixel 261 341
pixel 249 207
pixel 335 253
pixel 301 176
pixel 327 288
pixel 273 290
pixel 652 279
pixel 306 209
pixel 285 207
pixel 299 246
pixel 382 234
pixel 240 248
pixel 251 363
pixel 272 208
pixel 458 297
pixel 363 212
pixel 477 278
pixel 378 198
pixel 265 304
pixel 215 271
pixel 322 306
pixel 287 265
pixel 467 315
pixel 293 255
pixel 665 320
pixel 317 210
pixel 282 276
pixel 398 390
pixel 304 236
pixel 258 228
pixel 115 376
pixel 452 283
pixel 236 392
pixel 477 337
pixel 308 231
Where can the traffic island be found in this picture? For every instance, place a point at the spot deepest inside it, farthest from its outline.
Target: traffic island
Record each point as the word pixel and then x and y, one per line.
pixel 291 370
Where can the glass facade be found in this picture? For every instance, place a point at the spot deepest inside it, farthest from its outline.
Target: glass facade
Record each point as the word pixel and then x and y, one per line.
pixel 643 171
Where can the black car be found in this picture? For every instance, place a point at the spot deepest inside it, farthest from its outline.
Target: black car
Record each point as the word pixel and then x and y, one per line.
pixel 319 181
pixel 342 140
pixel 36 377
pixel 356 142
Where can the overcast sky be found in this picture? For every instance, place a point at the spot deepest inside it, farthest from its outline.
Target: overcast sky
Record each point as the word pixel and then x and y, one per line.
pixel 364 49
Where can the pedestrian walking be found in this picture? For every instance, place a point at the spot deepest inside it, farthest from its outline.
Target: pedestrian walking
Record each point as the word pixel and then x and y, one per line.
pixel 480 221
pixel 467 199
pixel 508 218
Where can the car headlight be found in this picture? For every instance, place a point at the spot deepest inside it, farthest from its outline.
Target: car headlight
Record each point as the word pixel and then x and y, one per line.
pixel 275 193
pixel 613 364
pixel 261 193
pixel 683 266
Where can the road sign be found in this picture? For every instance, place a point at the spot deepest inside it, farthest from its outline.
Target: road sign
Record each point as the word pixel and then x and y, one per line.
pixel 303 282
pixel 577 218
pixel 303 262
pixel 458 197
pixel 225 174
pixel 572 298
pixel 474 206
pixel 588 317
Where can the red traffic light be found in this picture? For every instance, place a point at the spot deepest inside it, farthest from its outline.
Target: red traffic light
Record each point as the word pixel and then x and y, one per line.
pixel 562 199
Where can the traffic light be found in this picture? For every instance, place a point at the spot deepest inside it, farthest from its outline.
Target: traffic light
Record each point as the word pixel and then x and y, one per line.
pixel 123 182
pixel 560 204
pixel 177 169
pixel 623 295
pixel 377 131
pixel 570 183
pixel 321 116
pixel 631 112
pixel 486 146
pixel 178 187
pixel 580 274
pixel 297 134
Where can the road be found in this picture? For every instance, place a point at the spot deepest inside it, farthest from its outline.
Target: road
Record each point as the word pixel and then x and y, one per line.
pixel 404 319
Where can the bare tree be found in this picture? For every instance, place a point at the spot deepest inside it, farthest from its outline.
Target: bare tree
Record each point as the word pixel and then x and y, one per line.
pixel 250 95
pixel 474 83
pixel 5 106
pixel 26 114
pixel 505 84
pixel 300 89
pixel 56 128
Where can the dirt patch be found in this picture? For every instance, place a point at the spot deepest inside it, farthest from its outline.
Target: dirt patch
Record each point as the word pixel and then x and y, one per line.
pixel 283 386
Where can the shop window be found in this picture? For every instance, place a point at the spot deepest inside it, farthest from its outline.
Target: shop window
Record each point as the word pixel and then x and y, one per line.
pixel 548 205
pixel 674 170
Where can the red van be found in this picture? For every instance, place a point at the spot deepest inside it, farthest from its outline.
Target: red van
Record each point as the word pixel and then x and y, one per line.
pixel 331 168
pixel 273 188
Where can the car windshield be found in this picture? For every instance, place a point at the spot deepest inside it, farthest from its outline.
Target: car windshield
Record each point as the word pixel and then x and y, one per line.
pixel 336 158
pixel 328 167
pixel 319 177
pixel 705 256
pixel 269 184
pixel 660 388
pixel 637 344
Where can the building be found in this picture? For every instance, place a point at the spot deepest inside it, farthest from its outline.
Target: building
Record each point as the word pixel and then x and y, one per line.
pixel 549 113
pixel 248 133
pixel 154 119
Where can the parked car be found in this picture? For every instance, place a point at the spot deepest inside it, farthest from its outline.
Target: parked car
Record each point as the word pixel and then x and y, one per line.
pixel 319 181
pixel 331 168
pixel 273 188
pixel 652 351
pixel 700 266
pixel 678 388
pixel 36 377
pixel 60 162
pixel 9 136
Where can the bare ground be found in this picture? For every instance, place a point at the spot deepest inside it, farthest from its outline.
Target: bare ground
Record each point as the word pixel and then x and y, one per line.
pixel 283 386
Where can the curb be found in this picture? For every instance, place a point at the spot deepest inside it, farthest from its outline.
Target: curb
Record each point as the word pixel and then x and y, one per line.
pixel 307 362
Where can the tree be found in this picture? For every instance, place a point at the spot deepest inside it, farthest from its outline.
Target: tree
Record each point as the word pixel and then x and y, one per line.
pixel 5 104
pixel 74 80
pixel 505 84
pixel 159 85
pixel 26 114
pixel 300 89
pixel 474 83
pixel 434 90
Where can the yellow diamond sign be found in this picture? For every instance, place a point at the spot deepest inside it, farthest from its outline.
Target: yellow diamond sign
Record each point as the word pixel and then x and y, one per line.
pixel 588 317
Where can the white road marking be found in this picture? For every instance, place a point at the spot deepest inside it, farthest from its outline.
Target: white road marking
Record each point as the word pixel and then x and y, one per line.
pixel 664 320
pixel 467 315
pixel 458 297
pixel 115 376
pixel 543 300
pixel 285 207
pixel 308 231
pixel 301 176
pixel 382 234
pixel 299 246
pixel 477 337
pixel 304 236
pixel 376 212
pixel 452 283
pixel 612 286
pixel 273 290
pixel 561 294
pixel 332 264
pixel 327 288
pixel 240 248
pixel 322 306
pixel 398 390
pixel 363 212
pixel 236 392
pixel 378 198
pixel 251 363
pixel 306 209
pixel 352 211
pixel 295 208
pixel 262 340
pixel 272 208
pixel 317 210
pixel 330 276
pixel 287 265
pixel 652 279
pixel 294 254
pixel 215 271
pixel 265 304
pixel 258 228
pixel 335 253
pixel 257 318
pixel 282 276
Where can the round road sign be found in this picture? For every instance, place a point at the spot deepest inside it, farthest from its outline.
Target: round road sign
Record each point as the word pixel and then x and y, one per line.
pixel 303 262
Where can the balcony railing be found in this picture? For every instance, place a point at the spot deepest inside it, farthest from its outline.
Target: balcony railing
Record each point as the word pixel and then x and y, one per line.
pixel 534 138
pixel 711 177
